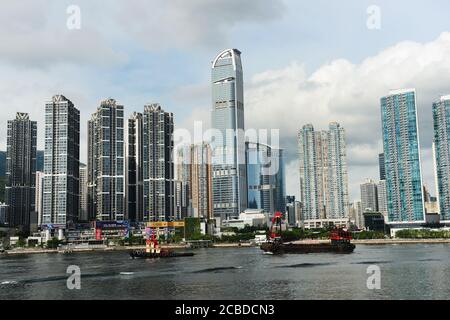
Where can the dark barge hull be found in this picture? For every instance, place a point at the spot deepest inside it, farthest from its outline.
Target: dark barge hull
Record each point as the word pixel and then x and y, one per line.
pixel 292 248
pixel 162 254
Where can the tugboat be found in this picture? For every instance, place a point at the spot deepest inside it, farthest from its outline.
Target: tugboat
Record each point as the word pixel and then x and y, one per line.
pixel 153 251
pixel 340 242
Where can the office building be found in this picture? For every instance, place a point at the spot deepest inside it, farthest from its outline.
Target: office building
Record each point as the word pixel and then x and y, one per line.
pixel 265 178
pixel 294 213
pixel 229 169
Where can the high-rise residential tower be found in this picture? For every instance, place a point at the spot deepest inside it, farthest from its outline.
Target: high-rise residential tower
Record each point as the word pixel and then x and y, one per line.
pixel 184 178
pixel 201 181
pixel 323 173
pixel 313 165
pixel 91 173
pixel 382 166
pixel 356 214
pixel 83 215
pixel 159 187
pixel 441 120
pixel 135 168
pixel 369 196
pixel 108 171
pixel 61 199
pixel 229 169
pixel 382 198
pixel 21 171
pixel 337 204
pixel 402 157
pixel 39 195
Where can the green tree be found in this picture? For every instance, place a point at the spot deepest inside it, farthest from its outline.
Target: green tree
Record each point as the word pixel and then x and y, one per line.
pixel 21 243
pixel 53 243
pixel 192 228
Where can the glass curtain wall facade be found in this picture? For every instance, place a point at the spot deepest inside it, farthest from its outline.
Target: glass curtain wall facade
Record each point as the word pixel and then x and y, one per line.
pixel 441 121
pixel 265 178
pixel 229 169
pixel 402 157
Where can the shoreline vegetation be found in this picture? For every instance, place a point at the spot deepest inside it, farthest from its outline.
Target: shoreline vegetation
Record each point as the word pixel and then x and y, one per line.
pixel 368 242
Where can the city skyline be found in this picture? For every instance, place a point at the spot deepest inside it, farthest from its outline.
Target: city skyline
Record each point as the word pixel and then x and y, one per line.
pixel 224 150
pixel 301 76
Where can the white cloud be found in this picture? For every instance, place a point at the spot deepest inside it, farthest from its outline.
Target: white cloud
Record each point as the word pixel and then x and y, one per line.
pixel 350 93
pixel 161 24
pixel 34 34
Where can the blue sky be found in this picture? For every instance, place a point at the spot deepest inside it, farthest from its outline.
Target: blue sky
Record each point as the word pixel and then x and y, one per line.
pixel 310 61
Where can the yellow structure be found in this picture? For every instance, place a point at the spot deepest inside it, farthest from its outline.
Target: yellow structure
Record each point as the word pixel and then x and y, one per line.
pixel 163 224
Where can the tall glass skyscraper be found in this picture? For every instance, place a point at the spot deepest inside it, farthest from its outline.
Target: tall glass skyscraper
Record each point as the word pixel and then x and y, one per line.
pixel 21 170
pixel 441 120
pixel 229 169
pixel 402 157
pixel 323 172
pixel 265 178
pixel 106 154
pixel 159 187
pixel 61 198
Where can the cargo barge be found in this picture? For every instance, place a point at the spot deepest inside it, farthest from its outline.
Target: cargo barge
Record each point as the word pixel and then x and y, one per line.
pixel 153 251
pixel 340 242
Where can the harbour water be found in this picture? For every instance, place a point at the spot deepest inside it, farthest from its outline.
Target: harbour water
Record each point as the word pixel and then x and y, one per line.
pixel 407 272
